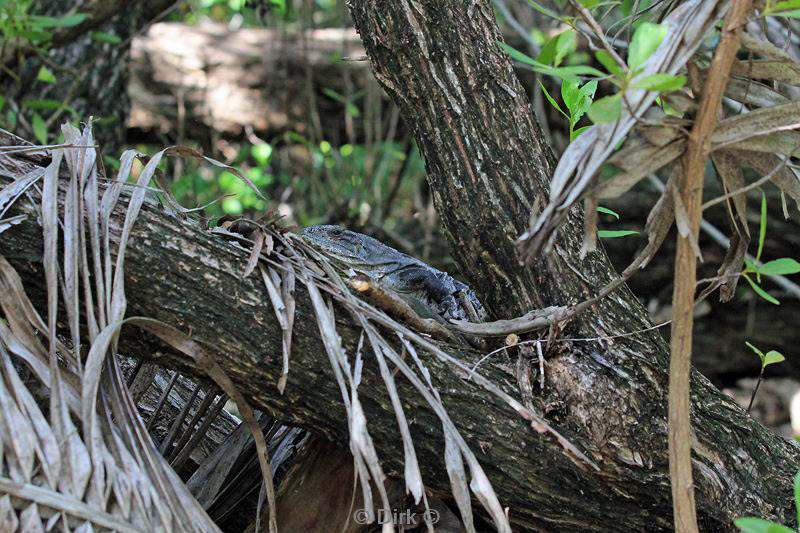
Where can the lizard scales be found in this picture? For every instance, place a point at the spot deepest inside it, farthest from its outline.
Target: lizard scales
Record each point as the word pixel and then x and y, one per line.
pixel 421 284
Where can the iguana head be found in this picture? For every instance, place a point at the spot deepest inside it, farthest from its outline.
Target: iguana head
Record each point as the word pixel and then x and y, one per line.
pixel 343 245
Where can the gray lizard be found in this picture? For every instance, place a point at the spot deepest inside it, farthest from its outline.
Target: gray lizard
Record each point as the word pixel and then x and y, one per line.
pixel 422 286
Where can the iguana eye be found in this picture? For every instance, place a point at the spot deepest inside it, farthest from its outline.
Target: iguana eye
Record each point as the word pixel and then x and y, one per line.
pixel 336 232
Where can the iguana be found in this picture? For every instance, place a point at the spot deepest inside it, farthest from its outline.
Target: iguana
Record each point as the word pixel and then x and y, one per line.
pixel 430 292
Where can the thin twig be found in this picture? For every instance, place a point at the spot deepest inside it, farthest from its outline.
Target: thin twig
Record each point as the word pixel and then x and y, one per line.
pixel 587 17
pixel 698 148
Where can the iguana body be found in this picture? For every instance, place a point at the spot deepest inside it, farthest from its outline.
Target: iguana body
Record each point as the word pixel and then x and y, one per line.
pixel 422 286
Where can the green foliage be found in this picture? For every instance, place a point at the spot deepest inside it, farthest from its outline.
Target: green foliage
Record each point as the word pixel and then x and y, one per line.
pixel 752 524
pixel 577 99
pixel 777 267
pixel 557 48
pixel 335 179
pixel 785 8
pixel 17 25
pixel 569 73
pixel 646 39
pixel 348 103
pixel 613 234
pixel 39 128
pixel 608 211
pixel 769 358
pixel 606 109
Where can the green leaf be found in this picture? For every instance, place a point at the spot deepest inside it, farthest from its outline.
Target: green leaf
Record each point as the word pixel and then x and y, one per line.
pixel 786 4
pixel 565 44
pixel 797 495
pixel 261 152
pixel 661 82
pixel 352 109
pixel 544 11
pixel 585 96
pixel 11 119
pixel 40 22
pixel 607 211
pixel 772 357
pixel 2 101
pixel 548 52
pixel 42 103
pixel 103 37
pixel 761 292
pixel 780 267
pixel 645 41
pixel 751 524
pixel 45 75
pixel 782 6
pixel 565 73
pixel 552 100
pixel 516 54
pixel 33 35
pixel 613 234
pixel 758 352
pixel 606 109
pixel 608 62
pixel 39 128
pixel 574 135
pixel 569 94
pixel 762 231
pixel 571 72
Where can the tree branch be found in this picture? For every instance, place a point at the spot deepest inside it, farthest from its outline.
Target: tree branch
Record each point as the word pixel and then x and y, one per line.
pixel 691 191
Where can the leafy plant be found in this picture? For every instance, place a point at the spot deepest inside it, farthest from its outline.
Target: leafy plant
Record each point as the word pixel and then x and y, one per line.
pixel 752 524
pixel 776 267
pixel 577 99
pixel 768 358
pixel 646 39
pixel 613 234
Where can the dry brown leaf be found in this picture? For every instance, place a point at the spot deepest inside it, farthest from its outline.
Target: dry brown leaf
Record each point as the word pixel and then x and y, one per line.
pixel 17 188
pixel 638 164
pixel 753 93
pixel 255 253
pixel 730 174
pixel 784 177
pixel 755 123
pixel 765 69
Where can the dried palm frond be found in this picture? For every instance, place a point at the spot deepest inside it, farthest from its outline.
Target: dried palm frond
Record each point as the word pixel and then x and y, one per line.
pixel 96 450
pixel 90 462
